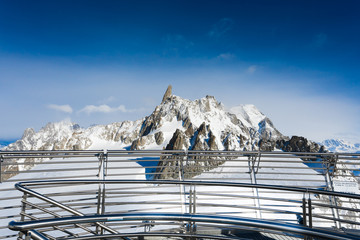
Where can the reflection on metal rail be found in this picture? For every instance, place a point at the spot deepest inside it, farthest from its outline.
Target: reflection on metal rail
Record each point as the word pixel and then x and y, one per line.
pixel 216 220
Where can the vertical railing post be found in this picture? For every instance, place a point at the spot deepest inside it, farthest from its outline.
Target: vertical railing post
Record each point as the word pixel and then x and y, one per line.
pixel 102 171
pixel 304 220
pixel 182 157
pixel 191 226
pixel 307 215
pixel 335 162
pixel 1 170
pixel 22 213
pixel 105 163
pixel 255 160
pixel 330 187
pixel 190 201
pixel 27 236
pixel 23 207
pixel 310 212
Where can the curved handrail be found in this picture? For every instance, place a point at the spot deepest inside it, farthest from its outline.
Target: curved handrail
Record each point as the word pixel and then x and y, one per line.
pixel 256 223
pixel 21 186
pixel 25 187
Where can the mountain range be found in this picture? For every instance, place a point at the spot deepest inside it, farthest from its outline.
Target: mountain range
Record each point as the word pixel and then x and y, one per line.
pixel 176 123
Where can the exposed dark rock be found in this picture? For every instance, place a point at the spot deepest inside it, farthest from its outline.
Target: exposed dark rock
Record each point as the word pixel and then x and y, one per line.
pixel 167 94
pixel 177 141
pixel 198 144
pixel 187 123
pixel 189 131
pixel 212 143
pixel 202 130
pixel 301 144
pixel 159 138
pixel 76 127
pixel 168 167
pixel 135 145
pixel 298 144
pixel 139 143
pixel 207 104
pixel 266 145
pixel 147 126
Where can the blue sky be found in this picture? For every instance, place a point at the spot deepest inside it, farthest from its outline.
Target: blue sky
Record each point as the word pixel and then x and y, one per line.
pixel 97 62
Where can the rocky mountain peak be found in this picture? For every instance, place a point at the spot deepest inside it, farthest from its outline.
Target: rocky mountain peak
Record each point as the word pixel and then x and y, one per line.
pixel 167 94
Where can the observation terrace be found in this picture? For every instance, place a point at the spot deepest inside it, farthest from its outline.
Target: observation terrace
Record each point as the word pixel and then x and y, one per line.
pixel 118 194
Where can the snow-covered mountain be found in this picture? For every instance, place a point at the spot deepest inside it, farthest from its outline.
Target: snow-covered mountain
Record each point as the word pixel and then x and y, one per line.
pixel 203 124
pixel 177 123
pixel 338 145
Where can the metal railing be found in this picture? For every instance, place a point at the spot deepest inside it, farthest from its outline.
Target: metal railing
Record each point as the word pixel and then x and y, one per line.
pixel 292 189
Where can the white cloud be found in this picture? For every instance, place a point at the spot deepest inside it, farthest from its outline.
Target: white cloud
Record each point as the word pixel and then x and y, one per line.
pixel 104 109
pixel 251 69
pixel 62 108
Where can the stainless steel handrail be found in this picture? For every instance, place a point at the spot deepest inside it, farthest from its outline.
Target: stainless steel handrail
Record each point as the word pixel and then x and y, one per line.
pixel 256 223
pixel 21 186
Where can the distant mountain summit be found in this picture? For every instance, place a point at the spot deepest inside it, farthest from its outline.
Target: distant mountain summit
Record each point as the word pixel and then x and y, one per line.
pixel 177 123
pixel 337 145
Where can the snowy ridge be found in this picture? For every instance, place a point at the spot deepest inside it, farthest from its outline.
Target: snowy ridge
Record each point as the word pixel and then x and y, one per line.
pixel 248 114
pixel 338 145
pixel 66 135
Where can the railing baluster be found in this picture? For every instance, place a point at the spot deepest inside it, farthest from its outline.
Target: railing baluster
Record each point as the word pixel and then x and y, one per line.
pixel 330 187
pixel 304 220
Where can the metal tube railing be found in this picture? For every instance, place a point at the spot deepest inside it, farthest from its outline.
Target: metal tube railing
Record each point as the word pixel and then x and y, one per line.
pixel 22 186
pixel 306 208
pixel 306 231
pixel 146 167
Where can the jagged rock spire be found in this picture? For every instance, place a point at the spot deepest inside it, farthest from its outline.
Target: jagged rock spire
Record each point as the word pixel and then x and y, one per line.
pixel 167 93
